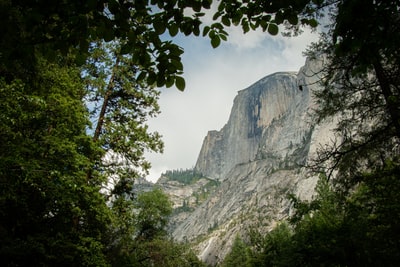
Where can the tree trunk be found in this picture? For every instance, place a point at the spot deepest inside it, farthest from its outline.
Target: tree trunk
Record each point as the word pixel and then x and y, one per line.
pixel 104 106
pixel 100 121
pixel 391 101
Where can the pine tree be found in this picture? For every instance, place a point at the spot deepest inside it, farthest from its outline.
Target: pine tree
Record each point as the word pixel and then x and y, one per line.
pixel 50 214
pixel 238 256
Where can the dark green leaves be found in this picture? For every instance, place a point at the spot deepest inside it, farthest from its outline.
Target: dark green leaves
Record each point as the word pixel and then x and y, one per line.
pixel 49 212
pixel 197 5
pixel 140 22
pixel 169 82
pixel 180 83
pixel 273 29
pixel 207 4
pixel 159 26
pixel 206 30
pixel 173 29
pixel 216 33
pixel 251 15
pixel 226 21
pixel 313 23
pixel 151 78
pixel 215 41
pixel 293 19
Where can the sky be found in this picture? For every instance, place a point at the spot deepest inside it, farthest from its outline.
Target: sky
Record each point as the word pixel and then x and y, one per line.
pixel 213 78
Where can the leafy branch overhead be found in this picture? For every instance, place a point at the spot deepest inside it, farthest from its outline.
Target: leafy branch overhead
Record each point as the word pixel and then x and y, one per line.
pixel 139 25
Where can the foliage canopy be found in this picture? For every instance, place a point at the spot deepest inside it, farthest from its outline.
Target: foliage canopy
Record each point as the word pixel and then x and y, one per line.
pixel 71 26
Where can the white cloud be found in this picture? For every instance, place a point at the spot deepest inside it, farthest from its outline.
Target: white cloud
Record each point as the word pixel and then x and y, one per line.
pixel 252 39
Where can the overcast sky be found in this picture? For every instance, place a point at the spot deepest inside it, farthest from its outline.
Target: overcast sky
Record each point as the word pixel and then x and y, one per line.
pixel 213 77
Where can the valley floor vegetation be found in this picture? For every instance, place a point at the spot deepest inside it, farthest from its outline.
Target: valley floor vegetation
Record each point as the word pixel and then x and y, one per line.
pixel 78 80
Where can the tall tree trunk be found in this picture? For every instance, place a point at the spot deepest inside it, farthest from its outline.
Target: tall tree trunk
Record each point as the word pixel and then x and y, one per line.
pixel 104 106
pixel 391 101
pixel 100 121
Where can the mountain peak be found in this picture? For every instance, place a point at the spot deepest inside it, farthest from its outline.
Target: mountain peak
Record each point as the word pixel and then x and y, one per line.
pixel 254 109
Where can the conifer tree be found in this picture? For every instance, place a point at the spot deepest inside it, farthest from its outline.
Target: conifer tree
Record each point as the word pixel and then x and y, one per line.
pixel 238 256
pixel 50 214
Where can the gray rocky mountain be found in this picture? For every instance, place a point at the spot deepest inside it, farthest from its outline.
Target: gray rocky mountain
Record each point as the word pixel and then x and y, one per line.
pixel 258 157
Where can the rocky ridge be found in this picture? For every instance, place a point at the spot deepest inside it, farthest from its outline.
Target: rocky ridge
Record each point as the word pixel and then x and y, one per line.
pixel 258 157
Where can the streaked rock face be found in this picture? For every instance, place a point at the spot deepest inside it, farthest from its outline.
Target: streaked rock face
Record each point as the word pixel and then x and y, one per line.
pixel 271 117
pixel 258 157
pixel 253 111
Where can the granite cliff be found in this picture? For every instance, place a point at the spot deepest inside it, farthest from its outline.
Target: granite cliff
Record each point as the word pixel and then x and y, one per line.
pixel 258 157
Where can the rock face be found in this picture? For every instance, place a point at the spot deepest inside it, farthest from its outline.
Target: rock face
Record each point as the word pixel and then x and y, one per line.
pixel 258 157
pixel 186 198
pixel 269 118
pixel 254 109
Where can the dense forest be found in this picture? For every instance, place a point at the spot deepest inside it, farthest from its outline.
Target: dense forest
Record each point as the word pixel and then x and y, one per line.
pixel 186 176
pixel 78 81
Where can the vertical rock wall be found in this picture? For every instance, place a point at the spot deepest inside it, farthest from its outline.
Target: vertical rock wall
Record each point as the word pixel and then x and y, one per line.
pixel 254 109
pixel 259 157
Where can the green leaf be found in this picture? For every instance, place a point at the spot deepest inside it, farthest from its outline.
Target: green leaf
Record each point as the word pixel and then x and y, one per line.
pixel 141 76
pixel 236 20
pixel 196 30
pixel 132 36
pixel 217 25
pixel 125 49
pixel 279 17
pixel 151 78
pixel 224 37
pixel 293 19
pixel 207 4
pixel 173 29
pixel 245 26
pixel 273 29
pixel 177 64
pixel 216 15
pixel 113 6
pixel 180 83
pixel 212 34
pixel 215 41
pixel 263 24
pixel 108 34
pixel 206 30
pixel 196 6
pixel 221 6
pixel 186 28
pixel 159 26
pixel 170 81
pixel 160 80
pixel 313 23
pixel 225 20
pixel 266 18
